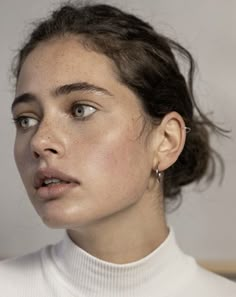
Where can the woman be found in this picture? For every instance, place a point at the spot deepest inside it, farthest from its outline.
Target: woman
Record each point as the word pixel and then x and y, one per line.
pixel 103 174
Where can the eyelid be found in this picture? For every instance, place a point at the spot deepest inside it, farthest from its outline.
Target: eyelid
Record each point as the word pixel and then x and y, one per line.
pixel 76 103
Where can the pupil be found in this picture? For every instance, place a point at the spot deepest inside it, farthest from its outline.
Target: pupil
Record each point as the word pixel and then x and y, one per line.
pixel 25 122
pixel 79 110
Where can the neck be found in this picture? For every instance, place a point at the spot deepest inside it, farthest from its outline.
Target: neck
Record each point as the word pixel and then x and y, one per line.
pixel 126 236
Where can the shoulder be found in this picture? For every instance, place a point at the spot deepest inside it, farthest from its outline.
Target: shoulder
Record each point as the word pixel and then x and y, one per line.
pixel 19 274
pixel 24 263
pixel 217 285
pixel 208 284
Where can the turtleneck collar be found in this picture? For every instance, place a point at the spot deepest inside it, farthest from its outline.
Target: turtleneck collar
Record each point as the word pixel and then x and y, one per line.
pixel 85 273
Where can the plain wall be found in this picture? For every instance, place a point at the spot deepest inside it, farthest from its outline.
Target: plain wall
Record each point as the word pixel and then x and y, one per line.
pixel 205 223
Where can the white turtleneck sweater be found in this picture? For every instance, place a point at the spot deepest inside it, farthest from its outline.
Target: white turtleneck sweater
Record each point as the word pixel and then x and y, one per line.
pixel 66 270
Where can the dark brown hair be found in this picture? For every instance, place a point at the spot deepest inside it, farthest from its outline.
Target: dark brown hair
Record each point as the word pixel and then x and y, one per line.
pixel 146 63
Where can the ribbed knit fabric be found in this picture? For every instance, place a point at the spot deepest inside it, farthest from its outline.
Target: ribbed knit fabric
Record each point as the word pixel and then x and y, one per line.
pixel 66 270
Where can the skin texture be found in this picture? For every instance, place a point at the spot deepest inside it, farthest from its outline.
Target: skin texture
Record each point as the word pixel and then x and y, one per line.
pixel 116 212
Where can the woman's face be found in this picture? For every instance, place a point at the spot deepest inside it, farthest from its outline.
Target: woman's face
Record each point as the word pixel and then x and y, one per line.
pixel 81 126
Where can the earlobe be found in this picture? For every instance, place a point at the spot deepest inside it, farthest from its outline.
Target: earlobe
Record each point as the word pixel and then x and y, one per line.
pixel 174 135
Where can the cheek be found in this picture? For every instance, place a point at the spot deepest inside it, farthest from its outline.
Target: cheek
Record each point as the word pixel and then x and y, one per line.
pixel 18 153
pixel 116 166
pixel 21 155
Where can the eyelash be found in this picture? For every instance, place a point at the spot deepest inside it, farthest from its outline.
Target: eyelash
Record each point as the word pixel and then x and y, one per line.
pixel 18 120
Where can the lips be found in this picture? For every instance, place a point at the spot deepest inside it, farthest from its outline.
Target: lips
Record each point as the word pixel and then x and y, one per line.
pixel 43 174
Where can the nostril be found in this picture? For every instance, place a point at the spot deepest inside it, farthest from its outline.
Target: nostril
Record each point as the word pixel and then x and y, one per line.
pixel 44 152
pixel 49 151
pixel 53 151
pixel 36 155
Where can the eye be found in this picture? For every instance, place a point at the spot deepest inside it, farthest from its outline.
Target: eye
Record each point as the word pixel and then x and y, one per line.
pixel 25 122
pixel 81 111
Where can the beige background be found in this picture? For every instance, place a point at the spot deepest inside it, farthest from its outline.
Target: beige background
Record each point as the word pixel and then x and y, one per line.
pixel 205 224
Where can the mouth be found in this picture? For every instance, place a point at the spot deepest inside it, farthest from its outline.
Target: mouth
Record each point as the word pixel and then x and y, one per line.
pixel 51 183
pixel 49 176
pixel 54 191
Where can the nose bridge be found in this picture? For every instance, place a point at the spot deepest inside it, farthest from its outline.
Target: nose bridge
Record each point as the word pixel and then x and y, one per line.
pixel 46 139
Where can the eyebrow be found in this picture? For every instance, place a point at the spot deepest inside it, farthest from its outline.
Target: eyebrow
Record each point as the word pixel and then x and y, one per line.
pixel 61 90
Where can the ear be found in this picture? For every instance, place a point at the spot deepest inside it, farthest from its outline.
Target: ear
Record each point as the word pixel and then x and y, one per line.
pixel 171 139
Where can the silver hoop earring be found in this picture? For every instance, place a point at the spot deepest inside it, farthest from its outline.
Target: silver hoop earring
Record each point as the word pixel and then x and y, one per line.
pixel 158 175
pixel 187 129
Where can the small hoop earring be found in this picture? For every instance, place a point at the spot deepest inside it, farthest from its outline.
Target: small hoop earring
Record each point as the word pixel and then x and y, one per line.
pixel 158 175
pixel 187 129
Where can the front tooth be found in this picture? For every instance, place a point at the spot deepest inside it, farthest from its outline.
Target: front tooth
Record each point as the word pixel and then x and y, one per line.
pixel 51 180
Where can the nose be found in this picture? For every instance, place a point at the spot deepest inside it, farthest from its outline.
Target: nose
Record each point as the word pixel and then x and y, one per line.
pixel 47 143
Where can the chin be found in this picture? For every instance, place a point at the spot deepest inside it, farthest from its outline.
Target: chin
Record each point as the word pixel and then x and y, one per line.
pixel 59 219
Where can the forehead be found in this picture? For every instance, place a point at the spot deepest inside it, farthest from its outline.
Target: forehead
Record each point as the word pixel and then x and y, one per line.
pixel 64 60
